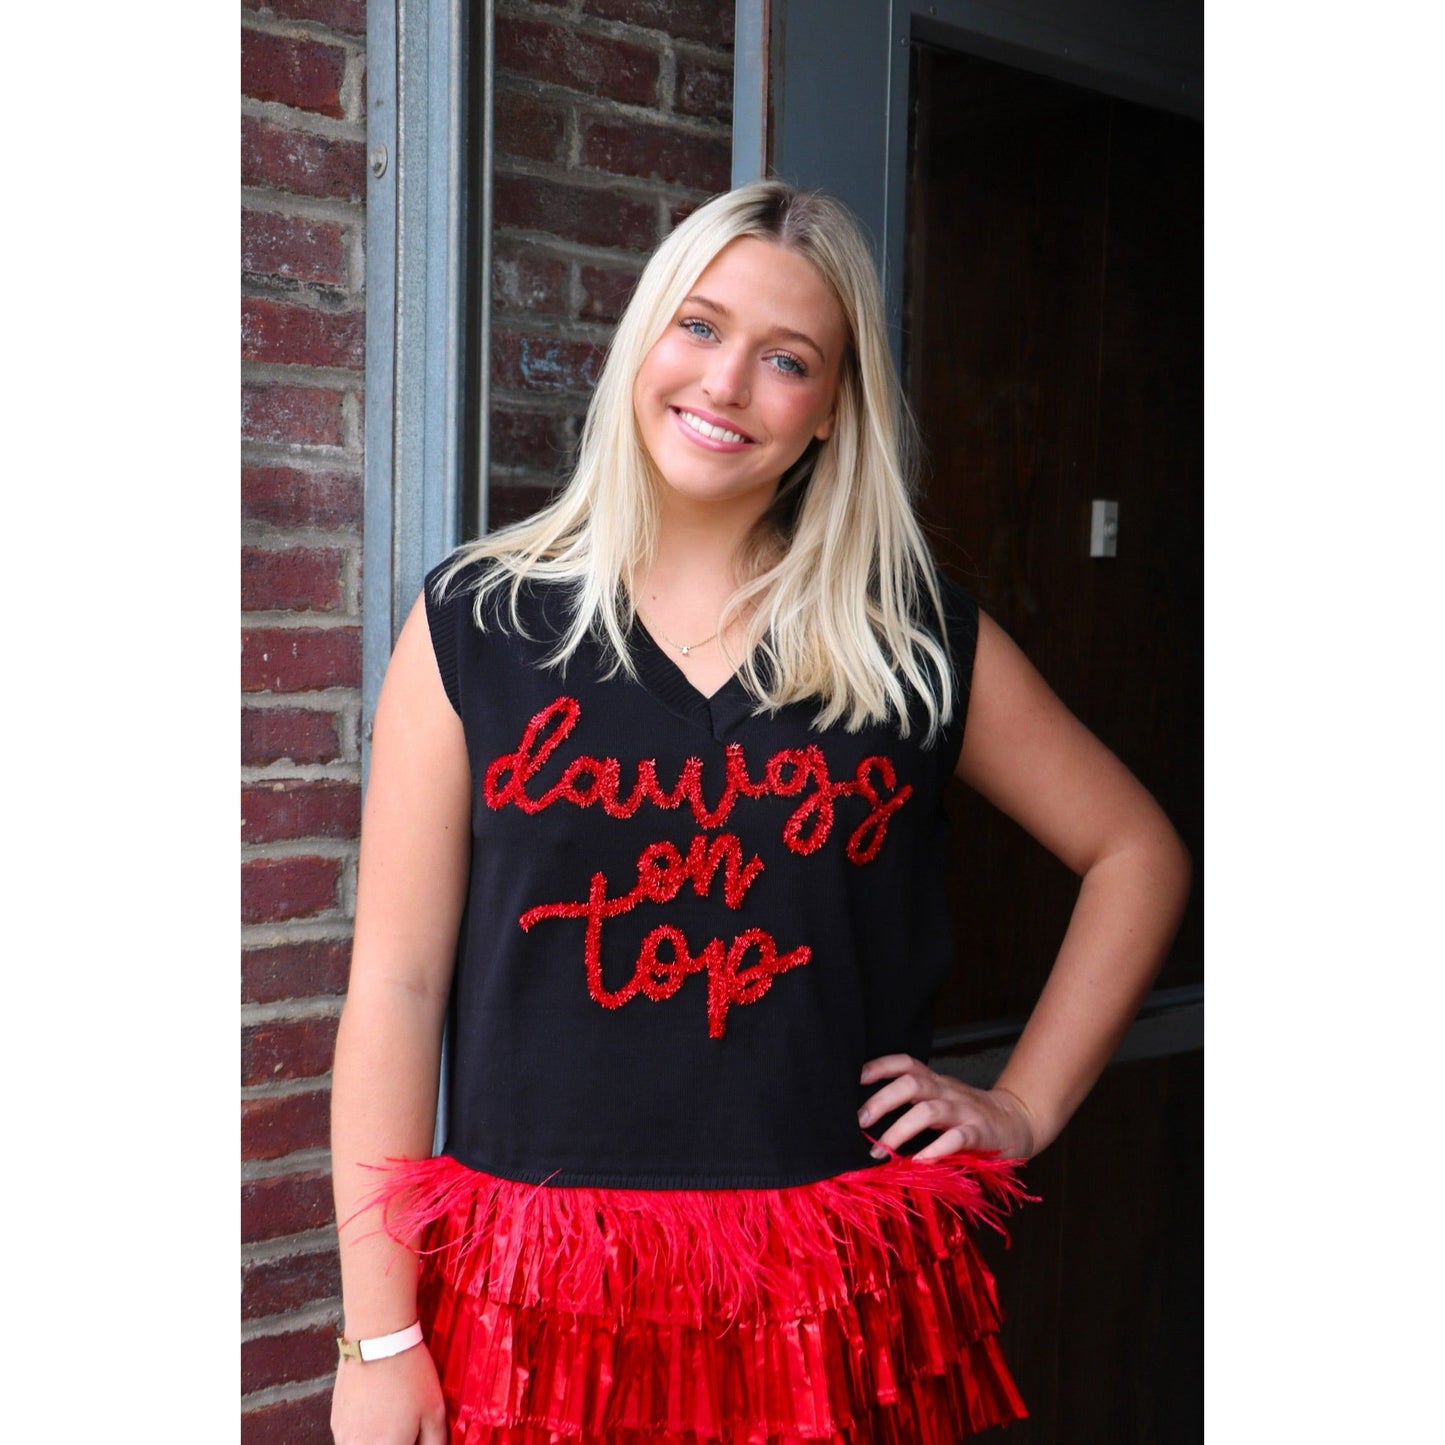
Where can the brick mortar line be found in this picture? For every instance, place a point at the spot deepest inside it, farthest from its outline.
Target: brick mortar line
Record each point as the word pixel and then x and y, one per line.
pixel 274 286
pixel 564 406
pixel 351 580
pixel 569 327
pixel 597 25
pixel 291 1010
pixel 563 249
pixel 246 1096
pixel 297 621
pixel 582 24
pixel 353 83
pixel 289 117
pixel 274 537
pixel 284 1394
pixel 335 850
pixel 295 373
pixel 531 469
pixel 600 332
pixel 326 298
pixel 571 126
pixel 345 458
pixel 701 50
pixel 316 456
pixel 605 108
pixel 667 78
pixel 604 183
pixel 306 1079
pixel 574 401
pixel 286 453
pixel 355 243
pixel 304 617
pixel 323 699
pixel 540 238
pixel 599 255
pixel 269 934
pixel 532 403
pixel 322 1312
pixel 259 453
pixel 270 201
pixel 286 1088
pixel 300 29
pixel 342 769
pixel 332 918
pixel 571 254
pixel 303 1161
pixel 576 292
pixel 259 774
pixel 307 1241
pixel 340 379
pixel 352 402
pixel 558 473
pixel 606 105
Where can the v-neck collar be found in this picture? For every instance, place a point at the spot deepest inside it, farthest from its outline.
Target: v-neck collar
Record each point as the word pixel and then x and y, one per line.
pixel 718 712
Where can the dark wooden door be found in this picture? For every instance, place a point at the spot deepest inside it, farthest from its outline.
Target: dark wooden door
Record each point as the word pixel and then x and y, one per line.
pixel 1054 356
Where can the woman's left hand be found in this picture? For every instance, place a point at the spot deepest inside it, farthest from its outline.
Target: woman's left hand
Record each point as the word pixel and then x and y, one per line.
pixel 984 1120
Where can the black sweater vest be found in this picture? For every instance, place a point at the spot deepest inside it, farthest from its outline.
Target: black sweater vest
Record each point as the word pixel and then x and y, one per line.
pixel 687 925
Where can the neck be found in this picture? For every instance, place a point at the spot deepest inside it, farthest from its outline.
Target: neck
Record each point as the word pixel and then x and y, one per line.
pixel 698 544
pixel 691 575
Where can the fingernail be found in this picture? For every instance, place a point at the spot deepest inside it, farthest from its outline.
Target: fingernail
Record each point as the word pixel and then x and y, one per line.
pixel 878 1153
pixel 863 1116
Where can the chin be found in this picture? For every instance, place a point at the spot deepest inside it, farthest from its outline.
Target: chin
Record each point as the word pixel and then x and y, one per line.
pixel 690 485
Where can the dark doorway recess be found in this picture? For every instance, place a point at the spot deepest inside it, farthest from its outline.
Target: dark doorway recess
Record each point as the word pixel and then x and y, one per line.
pixel 1054 356
pixel 1102 1282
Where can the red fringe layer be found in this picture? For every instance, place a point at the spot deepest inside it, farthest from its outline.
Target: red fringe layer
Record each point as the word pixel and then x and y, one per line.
pixel 856 1309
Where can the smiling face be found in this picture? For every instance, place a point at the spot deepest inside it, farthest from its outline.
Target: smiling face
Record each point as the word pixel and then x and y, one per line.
pixel 743 378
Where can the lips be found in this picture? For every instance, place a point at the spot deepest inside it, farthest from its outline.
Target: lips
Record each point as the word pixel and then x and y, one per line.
pixel 710 427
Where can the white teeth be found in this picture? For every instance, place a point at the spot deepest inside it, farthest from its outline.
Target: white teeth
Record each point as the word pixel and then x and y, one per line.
pixel 707 429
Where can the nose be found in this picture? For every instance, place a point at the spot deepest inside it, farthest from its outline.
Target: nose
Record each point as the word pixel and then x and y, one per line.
pixel 726 382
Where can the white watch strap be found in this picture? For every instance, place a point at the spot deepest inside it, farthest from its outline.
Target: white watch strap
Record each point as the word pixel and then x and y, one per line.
pixel 384 1346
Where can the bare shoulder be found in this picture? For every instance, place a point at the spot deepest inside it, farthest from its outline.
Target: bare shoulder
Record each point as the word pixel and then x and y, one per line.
pixel 415 830
pixel 416 725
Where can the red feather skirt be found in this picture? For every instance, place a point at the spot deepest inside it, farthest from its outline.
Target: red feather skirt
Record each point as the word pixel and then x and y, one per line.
pixel 856 1310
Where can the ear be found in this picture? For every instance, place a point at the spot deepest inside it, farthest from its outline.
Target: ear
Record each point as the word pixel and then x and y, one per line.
pixel 825 428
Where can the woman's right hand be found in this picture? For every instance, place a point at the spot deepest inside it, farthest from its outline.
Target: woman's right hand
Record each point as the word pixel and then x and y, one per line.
pixel 396 1401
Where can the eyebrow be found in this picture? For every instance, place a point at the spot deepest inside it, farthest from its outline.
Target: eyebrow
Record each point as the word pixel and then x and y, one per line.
pixel 786 332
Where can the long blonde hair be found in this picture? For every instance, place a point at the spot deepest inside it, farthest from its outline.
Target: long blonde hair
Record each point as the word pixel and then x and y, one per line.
pixel 836 572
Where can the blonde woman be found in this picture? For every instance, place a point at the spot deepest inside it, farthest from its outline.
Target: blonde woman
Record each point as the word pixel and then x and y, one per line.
pixel 655 812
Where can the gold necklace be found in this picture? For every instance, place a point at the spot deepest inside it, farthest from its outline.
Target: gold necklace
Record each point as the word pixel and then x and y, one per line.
pixel 682 647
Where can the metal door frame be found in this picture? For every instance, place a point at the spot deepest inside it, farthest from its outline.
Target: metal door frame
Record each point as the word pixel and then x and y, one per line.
pixel 787 116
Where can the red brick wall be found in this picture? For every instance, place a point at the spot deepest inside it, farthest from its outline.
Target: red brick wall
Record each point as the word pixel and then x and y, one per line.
pixel 302 343
pixel 613 120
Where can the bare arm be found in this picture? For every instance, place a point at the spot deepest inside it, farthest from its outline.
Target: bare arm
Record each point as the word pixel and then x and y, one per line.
pixel 415 839
pixel 1025 752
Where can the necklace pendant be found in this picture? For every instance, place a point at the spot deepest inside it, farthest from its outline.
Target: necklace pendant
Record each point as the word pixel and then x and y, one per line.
pixel 686 650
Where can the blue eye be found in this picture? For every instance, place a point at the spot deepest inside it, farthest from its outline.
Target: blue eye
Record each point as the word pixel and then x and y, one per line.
pixel 789 365
pixel 697 328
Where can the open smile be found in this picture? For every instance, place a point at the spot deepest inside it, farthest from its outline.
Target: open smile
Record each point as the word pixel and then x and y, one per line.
pixel 709 431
